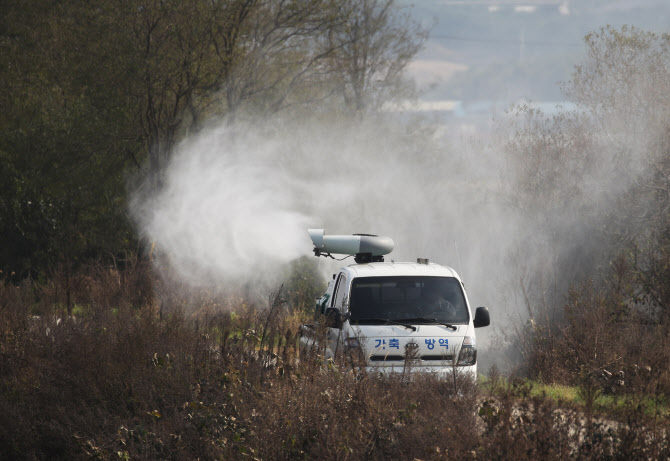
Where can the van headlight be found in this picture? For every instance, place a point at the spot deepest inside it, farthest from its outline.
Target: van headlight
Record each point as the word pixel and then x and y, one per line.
pixel 468 354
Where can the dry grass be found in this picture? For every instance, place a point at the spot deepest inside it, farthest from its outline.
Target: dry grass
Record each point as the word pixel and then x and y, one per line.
pixel 602 341
pixel 121 379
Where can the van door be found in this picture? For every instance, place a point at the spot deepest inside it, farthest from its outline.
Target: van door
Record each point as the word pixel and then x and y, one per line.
pixel 339 302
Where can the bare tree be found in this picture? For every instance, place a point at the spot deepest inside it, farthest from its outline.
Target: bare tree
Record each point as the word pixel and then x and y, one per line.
pixel 594 183
pixel 624 83
pixel 281 61
pixel 178 53
pixel 371 51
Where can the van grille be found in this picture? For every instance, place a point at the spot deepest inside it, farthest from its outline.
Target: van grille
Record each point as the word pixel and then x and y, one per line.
pixel 441 358
pixel 387 358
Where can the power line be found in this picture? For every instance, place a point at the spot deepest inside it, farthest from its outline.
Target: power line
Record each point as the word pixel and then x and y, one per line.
pixel 501 2
pixel 507 41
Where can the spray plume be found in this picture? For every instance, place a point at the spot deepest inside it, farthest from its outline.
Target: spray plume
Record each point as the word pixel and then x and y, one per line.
pixel 238 199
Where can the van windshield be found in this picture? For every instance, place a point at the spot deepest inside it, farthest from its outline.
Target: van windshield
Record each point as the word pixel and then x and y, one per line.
pixel 408 297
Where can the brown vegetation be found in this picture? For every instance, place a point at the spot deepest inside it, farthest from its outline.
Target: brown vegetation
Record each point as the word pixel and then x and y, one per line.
pixel 121 380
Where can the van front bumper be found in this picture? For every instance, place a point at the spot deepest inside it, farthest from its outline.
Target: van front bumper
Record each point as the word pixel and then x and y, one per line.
pixel 442 371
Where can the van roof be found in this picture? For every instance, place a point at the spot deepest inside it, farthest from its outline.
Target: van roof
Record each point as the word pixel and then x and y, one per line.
pixel 399 268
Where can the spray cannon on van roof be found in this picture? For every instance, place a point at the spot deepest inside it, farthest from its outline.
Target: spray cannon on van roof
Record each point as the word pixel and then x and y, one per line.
pixel 364 247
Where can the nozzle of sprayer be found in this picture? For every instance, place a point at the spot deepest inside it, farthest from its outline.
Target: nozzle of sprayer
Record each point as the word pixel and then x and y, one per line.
pixel 354 244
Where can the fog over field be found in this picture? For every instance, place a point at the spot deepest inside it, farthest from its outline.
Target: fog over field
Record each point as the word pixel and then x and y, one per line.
pixel 443 184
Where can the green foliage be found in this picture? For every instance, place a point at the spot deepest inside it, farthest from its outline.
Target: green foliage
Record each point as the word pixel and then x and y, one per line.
pixel 305 284
pixel 63 141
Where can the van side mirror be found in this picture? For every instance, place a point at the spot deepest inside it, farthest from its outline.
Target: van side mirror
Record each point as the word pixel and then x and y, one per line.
pixel 482 318
pixel 334 318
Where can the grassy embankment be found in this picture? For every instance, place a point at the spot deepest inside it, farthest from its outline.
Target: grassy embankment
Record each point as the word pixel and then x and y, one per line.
pixel 603 404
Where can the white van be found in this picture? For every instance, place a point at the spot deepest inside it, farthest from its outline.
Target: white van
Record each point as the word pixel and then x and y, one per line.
pixel 398 314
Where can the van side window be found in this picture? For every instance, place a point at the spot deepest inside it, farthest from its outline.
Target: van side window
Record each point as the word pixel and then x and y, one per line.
pixel 340 292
